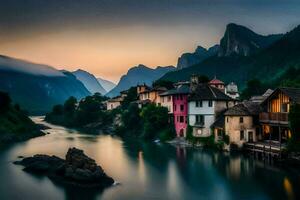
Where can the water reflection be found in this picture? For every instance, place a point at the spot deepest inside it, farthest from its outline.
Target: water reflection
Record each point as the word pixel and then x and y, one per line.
pixel 288 188
pixel 146 171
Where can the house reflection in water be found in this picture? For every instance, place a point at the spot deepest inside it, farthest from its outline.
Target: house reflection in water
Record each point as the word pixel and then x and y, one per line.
pixel 288 188
pixel 141 168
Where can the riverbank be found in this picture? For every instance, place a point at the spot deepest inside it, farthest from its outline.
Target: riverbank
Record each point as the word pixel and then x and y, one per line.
pixel 15 125
pixel 37 131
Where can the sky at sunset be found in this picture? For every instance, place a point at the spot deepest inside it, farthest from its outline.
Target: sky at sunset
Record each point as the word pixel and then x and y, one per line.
pixel 106 37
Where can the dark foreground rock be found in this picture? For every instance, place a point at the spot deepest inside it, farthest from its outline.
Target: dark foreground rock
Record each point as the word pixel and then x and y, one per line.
pixel 77 169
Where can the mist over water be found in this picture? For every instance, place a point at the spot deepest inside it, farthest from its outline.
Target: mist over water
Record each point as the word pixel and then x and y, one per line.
pixel 145 171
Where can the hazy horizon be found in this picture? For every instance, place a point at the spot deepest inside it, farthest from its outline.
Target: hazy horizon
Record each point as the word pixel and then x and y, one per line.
pixel 106 38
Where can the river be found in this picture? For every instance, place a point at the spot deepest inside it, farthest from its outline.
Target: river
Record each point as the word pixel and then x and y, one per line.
pixel 145 171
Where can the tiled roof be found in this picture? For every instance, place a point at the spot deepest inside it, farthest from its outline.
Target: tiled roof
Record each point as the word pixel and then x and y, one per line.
pixel 207 92
pixel 244 109
pixel 182 89
pixel 293 93
pixel 116 99
pixel 216 81
pixel 158 89
pixel 261 98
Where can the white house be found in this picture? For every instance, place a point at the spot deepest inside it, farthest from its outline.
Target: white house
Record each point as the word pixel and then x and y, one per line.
pixel 205 104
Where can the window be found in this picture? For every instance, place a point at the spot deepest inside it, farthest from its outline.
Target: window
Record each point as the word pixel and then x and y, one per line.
pixel 169 98
pixel 181 107
pixel 241 119
pixel 227 119
pixel 198 103
pixel 241 135
pixel 175 107
pixel 177 118
pixel 181 119
pixel 210 103
pixel 181 97
pixel 284 107
pixel 200 119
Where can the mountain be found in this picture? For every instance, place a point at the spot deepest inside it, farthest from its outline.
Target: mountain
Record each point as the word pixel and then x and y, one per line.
pixel 139 75
pixel 200 54
pixel 242 41
pixel 37 87
pixel 267 64
pixel 89 81
pixel 107 85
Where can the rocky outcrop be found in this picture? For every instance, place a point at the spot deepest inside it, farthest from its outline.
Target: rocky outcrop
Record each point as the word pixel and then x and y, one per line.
pixel 77 169
pixel 239 40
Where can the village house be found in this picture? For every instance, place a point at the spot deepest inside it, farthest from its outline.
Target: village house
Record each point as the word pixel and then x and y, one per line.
pixel 261 98
pixel 115 102
pixel 205 104
pixel 232 90
pixel 176 100
pixel 166 100
pixel 274 118
pixel 241 123
pixel 151 94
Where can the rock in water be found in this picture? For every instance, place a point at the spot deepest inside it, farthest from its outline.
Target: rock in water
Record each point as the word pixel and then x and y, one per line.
pixel 77 169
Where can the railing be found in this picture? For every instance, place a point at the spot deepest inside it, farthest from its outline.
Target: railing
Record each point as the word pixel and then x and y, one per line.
pixel 273 117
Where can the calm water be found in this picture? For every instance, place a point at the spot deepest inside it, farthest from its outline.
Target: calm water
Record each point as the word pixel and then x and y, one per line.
pixel 146 171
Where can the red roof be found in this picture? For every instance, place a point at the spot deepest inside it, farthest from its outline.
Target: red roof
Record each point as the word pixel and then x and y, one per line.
pixel 216 81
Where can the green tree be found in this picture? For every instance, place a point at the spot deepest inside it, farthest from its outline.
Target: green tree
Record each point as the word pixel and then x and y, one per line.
pixel 5 101
pixel 131 96
pixel 70 105
pixel 155 119
pixel 294 122
pixel 132 121
pixel 163 83
pixel 254 87
pixel 58 110
pixel 203 79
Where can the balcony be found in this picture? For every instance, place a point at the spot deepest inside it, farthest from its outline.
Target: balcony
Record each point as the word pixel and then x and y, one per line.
pixel 199 124
pixel 275 118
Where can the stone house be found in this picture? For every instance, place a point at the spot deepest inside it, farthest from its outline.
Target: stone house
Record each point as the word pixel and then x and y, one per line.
pixel 241 123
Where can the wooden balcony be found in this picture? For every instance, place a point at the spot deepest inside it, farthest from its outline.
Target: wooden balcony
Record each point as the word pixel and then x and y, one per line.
pixel 275 118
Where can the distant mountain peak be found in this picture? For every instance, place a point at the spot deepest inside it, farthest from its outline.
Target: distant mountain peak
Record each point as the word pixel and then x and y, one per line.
pixel 200 54
pixel 89 81
pixel 138 75
pixel 106 84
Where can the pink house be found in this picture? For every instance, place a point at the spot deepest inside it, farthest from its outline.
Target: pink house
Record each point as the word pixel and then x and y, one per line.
pixel 180 108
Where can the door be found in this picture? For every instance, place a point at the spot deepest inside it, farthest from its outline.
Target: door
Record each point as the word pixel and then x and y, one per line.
pixel 181 133
pixel 250 136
